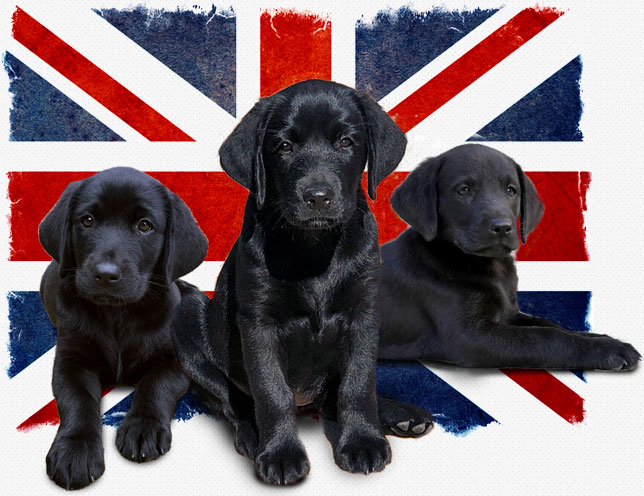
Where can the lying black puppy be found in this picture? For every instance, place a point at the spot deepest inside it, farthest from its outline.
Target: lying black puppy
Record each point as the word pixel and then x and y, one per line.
pixel 119 240
pixel 449 283
pixel 294 321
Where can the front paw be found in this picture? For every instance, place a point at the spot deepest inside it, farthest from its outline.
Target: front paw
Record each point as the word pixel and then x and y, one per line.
pixel 142 439
pixel 283 462
pixel 75 461
pixel 363 453
pixel 246 440
pixel 612 354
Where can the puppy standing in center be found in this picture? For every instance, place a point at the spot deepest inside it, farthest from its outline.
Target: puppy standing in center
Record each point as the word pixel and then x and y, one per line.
pixel 294 321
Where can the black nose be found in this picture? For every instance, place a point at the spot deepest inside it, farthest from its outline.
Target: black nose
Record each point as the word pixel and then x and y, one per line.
pixel 107 273
pixel 501 227
pixel 318 197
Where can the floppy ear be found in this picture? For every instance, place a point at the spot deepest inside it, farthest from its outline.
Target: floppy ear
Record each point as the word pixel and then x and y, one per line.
pixel 55 230
pixel 531 205
pixel 241 153
pixel 385 141
pixel 185 244
pixel 416 199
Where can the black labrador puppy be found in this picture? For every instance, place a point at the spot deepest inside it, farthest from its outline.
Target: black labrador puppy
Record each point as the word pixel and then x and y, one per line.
pixel 294 321
pixel 119 241
pixel 449 282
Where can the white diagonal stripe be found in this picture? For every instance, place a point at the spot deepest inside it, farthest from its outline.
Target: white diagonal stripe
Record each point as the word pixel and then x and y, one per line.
pixel 133 67
pixel 498 395
pixel 30 389
pixel 72 91
pixel 495 91
pixel 453 53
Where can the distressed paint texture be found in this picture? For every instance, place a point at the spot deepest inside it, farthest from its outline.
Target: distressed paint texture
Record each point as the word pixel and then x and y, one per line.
pixel 93 80
pixel 40 112
pixel 294 46
pixel 199 46
pixel 405 381
pixel 550 112
pixel 394 45
pixel 31 333
pixel 217 203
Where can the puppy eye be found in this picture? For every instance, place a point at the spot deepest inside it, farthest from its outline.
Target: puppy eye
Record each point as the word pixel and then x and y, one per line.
pixel 286 146
pixel 346 142
pixel 87 220
pixel 463 190
pixel 512 191
pixel 144 225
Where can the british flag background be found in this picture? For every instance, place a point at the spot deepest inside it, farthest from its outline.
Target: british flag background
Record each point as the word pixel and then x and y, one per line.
pixel 159 85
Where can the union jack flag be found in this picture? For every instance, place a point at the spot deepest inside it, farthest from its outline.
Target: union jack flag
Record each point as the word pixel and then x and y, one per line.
pixel 160 87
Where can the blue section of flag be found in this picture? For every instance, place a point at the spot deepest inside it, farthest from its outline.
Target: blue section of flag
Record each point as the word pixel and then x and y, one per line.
pixel 567 308
pixel 40 112
pixel 412 382
pixel 198 46
pixel 395 45
pixel 550 112
pixel 187 407
pixel 31 334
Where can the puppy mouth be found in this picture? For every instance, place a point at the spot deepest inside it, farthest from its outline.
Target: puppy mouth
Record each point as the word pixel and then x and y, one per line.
pixel 317 223
pixel 499 249
pixel 106 299
pixel 494 251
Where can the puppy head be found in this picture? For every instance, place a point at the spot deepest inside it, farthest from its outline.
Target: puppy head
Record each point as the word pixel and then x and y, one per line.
pixel 471 196
pixel 121 234
pixel 302 151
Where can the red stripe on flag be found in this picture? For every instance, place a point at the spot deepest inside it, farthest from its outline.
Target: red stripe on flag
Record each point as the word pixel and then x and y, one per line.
pixel 471 66
pixel 294 47
pixel 217 203
pixel 47 415
pixel 551 392
pixel 96 83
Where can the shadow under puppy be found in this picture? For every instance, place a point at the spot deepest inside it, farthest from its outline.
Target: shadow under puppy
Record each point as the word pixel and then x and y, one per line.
pixel 449 282
pixel 119 241
pixel 294 320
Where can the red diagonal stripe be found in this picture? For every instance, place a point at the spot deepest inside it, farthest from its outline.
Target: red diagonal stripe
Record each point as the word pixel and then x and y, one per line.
pixel 551 392
pixel 218 205
pixel 96 83
pixel 47 415
pixel 294 47
pixel 471 66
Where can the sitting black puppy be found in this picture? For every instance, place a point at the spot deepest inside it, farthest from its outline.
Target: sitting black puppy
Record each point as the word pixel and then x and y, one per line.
pixel 119 240
pixel 294 321
pixel 449 283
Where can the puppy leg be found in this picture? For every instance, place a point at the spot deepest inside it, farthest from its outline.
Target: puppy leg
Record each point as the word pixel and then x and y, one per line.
pixel 362 446
pixel 611 353
pixel 403 419
pixel 145 434
pixel 75 458
pixel 281 458
pixel 223 399
pixel 541 347
pixel 232 405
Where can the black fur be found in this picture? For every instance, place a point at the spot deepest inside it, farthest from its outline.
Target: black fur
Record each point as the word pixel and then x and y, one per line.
pixel 119 240
pixel 449 283
pixel 294 321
